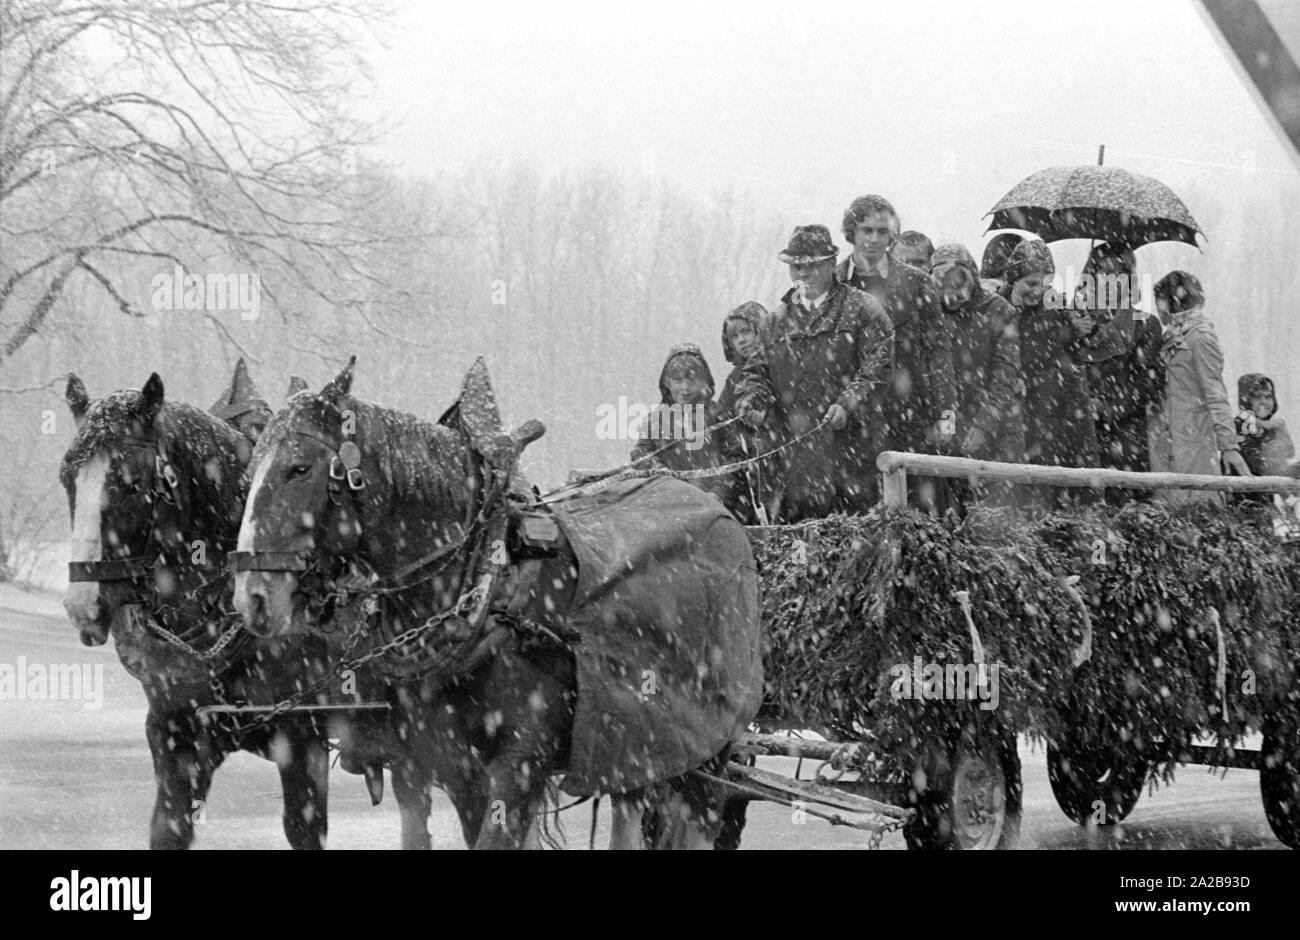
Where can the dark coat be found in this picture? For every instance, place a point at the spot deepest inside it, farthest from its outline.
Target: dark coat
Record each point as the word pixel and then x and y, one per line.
pixel 806 363
pixel 986 365
pixel 670 435
pixel 1268 450
pixel 922 386
pixel 1059 426
pixel 1126 377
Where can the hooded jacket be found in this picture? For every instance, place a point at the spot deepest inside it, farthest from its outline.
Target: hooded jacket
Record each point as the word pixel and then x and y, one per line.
pixel 1266 443
pixel 985 337
pixel 921 386
pixel 1126 378
pixel 753 314
pixel 1059 428
pixel 673 433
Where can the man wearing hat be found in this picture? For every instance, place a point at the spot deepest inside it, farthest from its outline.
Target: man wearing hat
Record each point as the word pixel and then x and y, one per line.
pixel 243 408
pixel 822 355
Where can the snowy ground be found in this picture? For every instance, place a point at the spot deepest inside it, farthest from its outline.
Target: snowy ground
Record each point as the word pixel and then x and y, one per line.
pixel 73 778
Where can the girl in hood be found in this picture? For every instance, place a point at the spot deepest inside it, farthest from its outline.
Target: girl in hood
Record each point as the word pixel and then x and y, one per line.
pixel 739 342
pixel 675 435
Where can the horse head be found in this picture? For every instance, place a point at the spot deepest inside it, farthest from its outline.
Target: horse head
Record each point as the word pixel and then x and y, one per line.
pixel 150 487
pixel 346 486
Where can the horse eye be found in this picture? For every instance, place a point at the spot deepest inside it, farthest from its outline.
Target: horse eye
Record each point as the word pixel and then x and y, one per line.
pixel 298 470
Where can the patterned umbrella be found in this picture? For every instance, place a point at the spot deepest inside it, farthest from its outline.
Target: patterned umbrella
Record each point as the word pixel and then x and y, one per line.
pixel 1106 203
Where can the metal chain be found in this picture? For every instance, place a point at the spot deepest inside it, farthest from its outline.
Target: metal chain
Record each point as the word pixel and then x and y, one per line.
pixel 209 654
pixel 402 639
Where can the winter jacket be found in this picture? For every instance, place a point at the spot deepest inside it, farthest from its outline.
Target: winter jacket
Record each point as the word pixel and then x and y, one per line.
pixel 921 386
pixel 1059 427
pixel 985 341
pixel 671 435
pixel 1195 421
pixel 1126 378
pixel 1266 444
pixel 808 361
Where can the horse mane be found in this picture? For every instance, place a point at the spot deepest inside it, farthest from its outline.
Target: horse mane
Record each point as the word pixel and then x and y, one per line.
pixel 419 460
pixel 202 449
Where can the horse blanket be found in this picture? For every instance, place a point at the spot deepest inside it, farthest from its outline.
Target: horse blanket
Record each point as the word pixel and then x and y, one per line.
pixel 669 664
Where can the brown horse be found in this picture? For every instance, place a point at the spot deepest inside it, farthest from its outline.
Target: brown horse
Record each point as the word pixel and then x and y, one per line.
pixel 156 491
pixel 484 637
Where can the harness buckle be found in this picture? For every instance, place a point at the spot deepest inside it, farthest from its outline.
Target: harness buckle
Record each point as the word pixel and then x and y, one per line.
pixel 337 470
pixel 355 480
pixel 164 470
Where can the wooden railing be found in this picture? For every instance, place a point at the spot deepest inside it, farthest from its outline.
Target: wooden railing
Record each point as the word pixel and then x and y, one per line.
pixel 895 466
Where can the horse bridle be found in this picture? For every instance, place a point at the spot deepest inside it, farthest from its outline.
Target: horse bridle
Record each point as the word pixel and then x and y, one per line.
pixel 345 478
pixel 164 488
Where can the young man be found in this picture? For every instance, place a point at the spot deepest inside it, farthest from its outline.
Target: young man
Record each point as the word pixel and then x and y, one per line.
pixel 914 250
pixel 921 403
pixel 822 356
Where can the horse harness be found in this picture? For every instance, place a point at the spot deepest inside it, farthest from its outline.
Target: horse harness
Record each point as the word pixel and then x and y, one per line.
pixel 164 489
pixel 478 621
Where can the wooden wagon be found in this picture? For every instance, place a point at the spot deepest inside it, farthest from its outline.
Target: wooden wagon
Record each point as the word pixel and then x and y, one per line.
pixel 965 791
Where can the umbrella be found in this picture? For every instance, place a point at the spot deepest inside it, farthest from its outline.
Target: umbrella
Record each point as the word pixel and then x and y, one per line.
pixel 1107 203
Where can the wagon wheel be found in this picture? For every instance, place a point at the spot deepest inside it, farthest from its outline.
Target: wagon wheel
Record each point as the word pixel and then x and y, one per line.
pixel 970 796
pixel 1279 778
pixel 1095 784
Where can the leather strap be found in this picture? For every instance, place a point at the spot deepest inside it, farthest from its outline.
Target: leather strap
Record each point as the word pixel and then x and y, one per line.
pixel 266 561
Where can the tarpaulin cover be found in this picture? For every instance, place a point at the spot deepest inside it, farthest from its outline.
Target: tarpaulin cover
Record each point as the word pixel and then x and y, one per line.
pixel 669 665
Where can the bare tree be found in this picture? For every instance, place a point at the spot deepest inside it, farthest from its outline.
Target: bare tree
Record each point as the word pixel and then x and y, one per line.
pixel 139 137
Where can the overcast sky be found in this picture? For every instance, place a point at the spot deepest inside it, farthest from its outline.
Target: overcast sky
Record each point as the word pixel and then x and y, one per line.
pixel 942 107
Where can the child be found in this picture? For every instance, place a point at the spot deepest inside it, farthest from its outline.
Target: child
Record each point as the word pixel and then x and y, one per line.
pixel 739 341
pixel 1266 443
pixel 675 431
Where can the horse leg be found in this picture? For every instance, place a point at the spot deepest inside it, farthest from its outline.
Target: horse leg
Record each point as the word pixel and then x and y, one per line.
pixel 411 790
pixel 627 811
pixel 182 778
pixel 516 795
pixel 682 825
pixel 304 781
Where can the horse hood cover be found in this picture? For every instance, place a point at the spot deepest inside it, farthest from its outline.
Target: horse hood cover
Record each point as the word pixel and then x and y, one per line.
pixel 669 666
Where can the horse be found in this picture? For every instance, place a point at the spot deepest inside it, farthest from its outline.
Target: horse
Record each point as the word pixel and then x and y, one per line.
pixel 156 492
pixel 476 629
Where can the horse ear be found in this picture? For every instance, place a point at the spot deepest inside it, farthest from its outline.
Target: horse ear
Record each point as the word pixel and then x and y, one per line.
pixel 153 399
pixel 340 385
pixel 296 384
pixel 481 420
pixel 77 398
